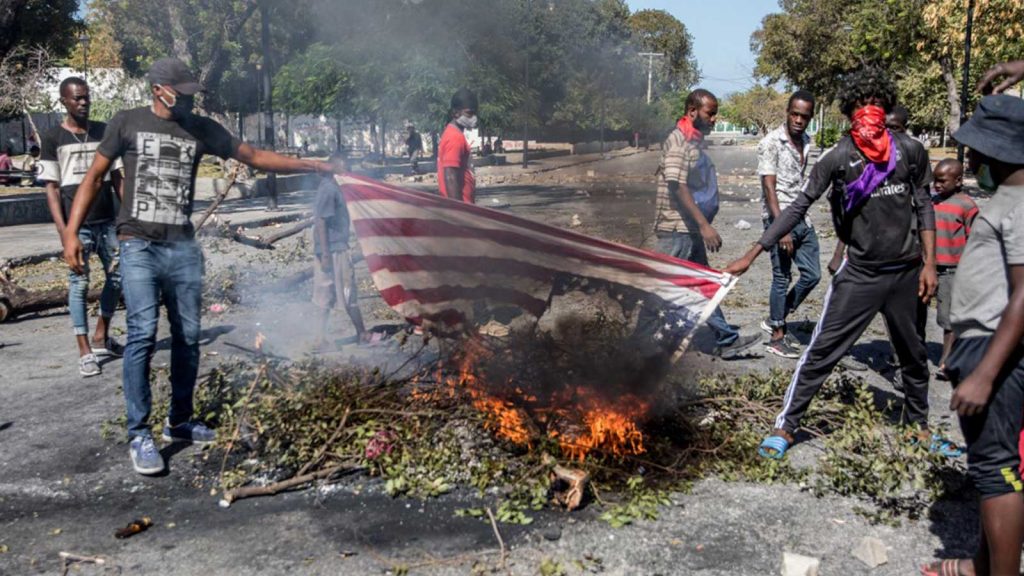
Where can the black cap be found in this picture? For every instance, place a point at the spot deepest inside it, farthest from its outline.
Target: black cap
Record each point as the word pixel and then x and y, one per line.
pixel 464 99
pixel 174 73
pixel 996 129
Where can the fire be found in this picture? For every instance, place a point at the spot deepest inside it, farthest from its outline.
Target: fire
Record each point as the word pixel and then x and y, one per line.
pixel 260 339
pixel 580 420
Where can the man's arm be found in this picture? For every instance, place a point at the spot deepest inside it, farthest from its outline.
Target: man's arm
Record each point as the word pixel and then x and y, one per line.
pixel 1013 72
pixel 682 194
pixel 84 198
pixel 453 181
pixel 117 180
pixel 929 280
pixel 278 163
pixel 54 204
pixel 771 199
pixel 973 393
pixel 320 229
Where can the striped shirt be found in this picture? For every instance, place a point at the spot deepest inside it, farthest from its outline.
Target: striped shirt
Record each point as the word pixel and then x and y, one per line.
pixel 679 161
pixel 953 219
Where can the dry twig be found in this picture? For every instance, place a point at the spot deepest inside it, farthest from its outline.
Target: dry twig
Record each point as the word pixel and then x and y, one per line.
pixel 497 534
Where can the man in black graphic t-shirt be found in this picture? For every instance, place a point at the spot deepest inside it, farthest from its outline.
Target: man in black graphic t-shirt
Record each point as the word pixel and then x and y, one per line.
pixel 66 155
pixel 161 146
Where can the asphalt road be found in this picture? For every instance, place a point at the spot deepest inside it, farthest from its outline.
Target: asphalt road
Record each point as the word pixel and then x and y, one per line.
pixel 64 487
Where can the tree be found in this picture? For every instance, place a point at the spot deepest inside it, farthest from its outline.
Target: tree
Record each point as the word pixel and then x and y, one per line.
pixel 23 74
pixel 659 31
pixel 760 106
pixel 49 24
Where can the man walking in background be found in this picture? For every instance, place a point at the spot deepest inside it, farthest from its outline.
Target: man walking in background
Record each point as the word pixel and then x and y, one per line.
pixel 162 145
pixel 414 148
pixel 782 166
pixel 687 202
pixel 455 174
pixel 68 151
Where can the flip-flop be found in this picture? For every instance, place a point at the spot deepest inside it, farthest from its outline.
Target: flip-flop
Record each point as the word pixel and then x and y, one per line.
pixel 773 447
pixel 948 567
pixel 945 447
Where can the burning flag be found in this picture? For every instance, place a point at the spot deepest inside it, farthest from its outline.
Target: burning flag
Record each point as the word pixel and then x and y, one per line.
pixel 453 267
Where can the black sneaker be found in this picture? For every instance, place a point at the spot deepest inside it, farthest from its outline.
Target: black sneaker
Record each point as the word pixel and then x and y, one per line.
pixel 782 348
pixel 737 348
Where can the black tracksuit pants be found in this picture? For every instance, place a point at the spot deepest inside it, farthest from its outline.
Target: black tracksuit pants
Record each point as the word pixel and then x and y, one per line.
pixel 853 299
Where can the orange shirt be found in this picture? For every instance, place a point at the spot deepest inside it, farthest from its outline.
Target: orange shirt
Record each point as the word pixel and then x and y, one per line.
pixel 454 152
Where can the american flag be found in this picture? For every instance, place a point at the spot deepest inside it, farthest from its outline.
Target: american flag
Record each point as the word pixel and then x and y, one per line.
pixel 453 267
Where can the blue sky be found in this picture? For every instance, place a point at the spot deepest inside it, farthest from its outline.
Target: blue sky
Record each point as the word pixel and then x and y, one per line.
pixel 721 36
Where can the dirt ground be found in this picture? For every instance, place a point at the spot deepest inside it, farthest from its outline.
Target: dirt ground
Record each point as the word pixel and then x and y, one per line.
pixel 66 483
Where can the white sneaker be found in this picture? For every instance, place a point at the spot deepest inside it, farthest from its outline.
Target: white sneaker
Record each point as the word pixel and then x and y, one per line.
pixel 89 366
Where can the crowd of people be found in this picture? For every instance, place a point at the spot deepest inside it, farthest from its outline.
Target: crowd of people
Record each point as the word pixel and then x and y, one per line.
pixel 908 233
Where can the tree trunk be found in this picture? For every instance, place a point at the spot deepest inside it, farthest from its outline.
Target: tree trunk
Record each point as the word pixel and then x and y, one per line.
pixel 952 94
pixel 179 37
pixel 337 134
pixel 32 124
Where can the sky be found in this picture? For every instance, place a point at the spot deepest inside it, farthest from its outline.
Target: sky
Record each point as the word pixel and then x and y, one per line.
pixel 721 37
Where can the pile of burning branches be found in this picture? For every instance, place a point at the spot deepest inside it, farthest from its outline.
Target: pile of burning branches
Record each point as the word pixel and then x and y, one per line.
pixel 528 421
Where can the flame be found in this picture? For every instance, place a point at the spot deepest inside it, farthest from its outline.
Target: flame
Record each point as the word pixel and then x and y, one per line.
pixel 260 339
pixel 580 420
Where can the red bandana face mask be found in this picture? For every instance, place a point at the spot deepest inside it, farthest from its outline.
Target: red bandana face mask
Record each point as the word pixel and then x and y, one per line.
pixel 690 132
pixel 869 133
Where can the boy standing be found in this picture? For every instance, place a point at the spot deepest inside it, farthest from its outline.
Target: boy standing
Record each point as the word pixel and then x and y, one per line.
pixel 455 175
pixel 986 364
pixel 334 280
pixel 68 151
pixel 954 215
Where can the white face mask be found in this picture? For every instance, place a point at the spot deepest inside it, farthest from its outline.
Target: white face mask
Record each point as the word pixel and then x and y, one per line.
pixel 466 121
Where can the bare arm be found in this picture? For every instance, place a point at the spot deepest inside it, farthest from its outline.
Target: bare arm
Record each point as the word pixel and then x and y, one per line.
pixel 54 204
pixel 84 198
pixel 973 393
pixel 453 183
pixel 278 163
pixel 771 200
pixel 1013 72
pixel 320 230
pixel 929 281
pixel 682 194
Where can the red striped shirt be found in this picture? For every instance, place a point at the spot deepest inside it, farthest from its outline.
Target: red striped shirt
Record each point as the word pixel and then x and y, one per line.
pixel 953 219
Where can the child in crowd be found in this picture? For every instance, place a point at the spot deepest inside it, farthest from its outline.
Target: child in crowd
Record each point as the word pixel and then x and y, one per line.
pixel 954 215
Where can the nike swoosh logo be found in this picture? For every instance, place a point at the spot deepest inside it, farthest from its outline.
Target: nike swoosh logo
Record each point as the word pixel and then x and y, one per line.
pixel 852 164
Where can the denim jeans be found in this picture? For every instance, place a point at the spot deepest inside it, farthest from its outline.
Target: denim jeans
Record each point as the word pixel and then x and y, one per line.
pixel 806 255
pixel 99 239
pixel 690 247
pixel 171 272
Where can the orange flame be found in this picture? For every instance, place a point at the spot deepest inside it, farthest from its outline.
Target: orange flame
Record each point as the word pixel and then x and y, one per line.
pixel 260 339
pixel 580 420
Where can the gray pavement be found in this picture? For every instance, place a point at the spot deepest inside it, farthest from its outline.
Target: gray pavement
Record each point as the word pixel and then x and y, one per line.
pixel 65 487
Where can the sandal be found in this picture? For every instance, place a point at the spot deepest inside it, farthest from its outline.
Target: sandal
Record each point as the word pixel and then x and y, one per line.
pixel 948 567
pixel 773 447
pixel 945 447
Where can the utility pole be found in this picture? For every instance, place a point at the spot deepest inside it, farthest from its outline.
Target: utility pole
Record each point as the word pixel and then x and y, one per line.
pixel 526 92
pixel 964 85
pixel 650 70
pixel 268 123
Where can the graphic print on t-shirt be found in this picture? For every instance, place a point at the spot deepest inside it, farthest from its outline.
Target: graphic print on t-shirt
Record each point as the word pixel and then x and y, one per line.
pixel 163 178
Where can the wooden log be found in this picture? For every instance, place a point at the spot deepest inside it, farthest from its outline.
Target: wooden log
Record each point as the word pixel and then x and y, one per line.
pixel 302 225
pixel 271 489
pixel 15 300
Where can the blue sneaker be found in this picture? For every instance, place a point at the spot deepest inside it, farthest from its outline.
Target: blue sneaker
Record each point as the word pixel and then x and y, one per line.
pixel 146 459
pixel 194 432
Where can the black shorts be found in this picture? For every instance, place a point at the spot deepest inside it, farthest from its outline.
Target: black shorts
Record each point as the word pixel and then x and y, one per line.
pixel 993 454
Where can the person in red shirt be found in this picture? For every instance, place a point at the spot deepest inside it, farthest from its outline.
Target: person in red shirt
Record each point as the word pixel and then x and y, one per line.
pixel 454 165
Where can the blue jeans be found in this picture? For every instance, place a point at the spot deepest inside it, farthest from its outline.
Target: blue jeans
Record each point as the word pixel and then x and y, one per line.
pixel 806 255
pixel 687 246
pixel 99 239
pixel 171 272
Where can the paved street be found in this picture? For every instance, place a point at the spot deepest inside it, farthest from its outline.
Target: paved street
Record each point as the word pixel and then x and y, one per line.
pixel 67 486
